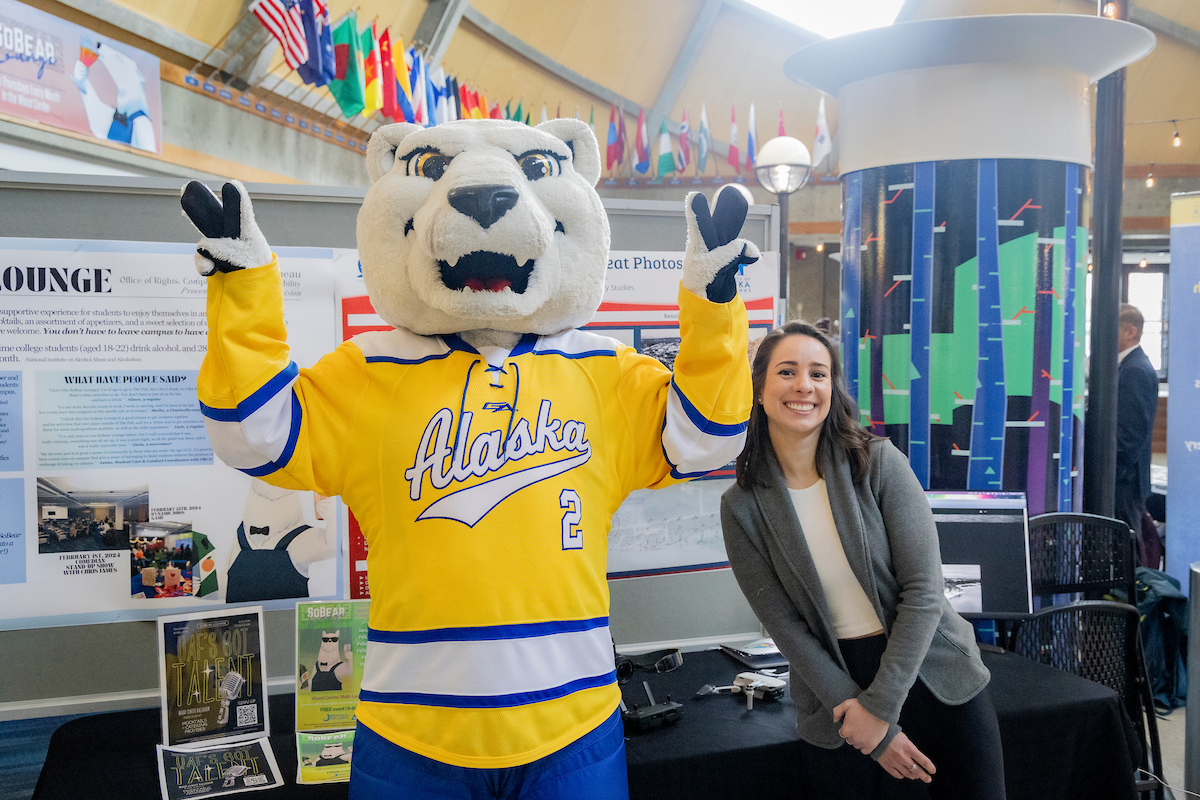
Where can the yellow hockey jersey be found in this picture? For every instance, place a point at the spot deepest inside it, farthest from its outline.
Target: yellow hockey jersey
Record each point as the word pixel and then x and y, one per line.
pixel 485 490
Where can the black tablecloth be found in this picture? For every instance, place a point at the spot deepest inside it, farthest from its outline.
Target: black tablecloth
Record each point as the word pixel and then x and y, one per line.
pixel 1064 737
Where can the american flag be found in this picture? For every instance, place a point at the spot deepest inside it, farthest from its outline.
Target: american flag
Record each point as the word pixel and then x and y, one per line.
pixel 285 22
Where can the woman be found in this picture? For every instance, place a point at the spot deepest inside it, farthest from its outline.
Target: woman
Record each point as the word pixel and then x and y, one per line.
pixel 833 543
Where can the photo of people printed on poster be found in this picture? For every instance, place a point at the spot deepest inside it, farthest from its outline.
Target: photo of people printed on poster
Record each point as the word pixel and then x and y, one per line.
pixel 162 559
pixel 74 514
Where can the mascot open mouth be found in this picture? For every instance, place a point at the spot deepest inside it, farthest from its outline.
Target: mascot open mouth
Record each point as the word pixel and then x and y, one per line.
pixel 483 271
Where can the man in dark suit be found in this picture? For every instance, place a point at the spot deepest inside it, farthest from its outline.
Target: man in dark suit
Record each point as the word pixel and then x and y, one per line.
pixel 1137 400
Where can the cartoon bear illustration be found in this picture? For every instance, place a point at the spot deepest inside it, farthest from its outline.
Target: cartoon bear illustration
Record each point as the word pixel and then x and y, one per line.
pixel 484 443
pixel 129 120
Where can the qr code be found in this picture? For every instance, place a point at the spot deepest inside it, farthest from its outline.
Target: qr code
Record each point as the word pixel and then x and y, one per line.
pixel 254 780
pixel 247 715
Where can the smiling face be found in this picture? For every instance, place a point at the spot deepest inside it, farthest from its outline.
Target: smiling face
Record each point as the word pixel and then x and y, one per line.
pixel 797 390
pixel 484 224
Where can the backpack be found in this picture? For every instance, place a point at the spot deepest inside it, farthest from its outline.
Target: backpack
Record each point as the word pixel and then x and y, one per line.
pixel 1164 627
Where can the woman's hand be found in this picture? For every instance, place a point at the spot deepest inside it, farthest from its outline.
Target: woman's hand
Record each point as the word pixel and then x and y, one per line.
pixel 902 760
pixel 860 728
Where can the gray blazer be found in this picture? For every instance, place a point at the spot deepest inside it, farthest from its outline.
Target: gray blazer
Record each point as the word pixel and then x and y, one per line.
pixel 888 534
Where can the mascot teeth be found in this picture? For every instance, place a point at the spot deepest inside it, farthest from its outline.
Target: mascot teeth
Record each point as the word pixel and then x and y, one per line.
pixel 483 271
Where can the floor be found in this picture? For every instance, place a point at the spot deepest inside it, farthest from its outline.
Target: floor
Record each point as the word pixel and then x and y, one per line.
pixel 23 747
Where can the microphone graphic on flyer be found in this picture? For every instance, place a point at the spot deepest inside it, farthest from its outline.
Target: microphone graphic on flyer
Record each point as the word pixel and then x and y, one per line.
pixel 229 690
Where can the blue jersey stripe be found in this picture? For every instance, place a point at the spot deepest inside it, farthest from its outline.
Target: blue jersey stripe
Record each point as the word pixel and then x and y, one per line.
pixel 268 390
pixel 406 361
pixel 487 632
pixel 488 701
pixel 706 425
pixel 584 354
pixel 220 414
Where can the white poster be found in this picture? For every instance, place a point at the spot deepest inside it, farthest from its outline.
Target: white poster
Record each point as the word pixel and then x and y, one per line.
pixel 112 504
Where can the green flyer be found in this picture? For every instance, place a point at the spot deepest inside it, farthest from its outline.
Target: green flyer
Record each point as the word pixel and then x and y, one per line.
pixel 324 757
pixel 331 643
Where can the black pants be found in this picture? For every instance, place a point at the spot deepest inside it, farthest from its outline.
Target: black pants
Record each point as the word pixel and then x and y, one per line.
pixel 963 742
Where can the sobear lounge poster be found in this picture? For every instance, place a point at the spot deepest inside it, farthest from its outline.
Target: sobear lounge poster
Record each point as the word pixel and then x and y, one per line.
pixel 211 676
pixel 55 72
pixel 331 642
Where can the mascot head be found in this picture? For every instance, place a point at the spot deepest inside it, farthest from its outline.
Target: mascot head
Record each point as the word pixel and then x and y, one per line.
pixel 484 224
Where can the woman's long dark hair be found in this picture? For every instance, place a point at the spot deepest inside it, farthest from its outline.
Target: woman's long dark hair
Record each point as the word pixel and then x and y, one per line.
pixel 841 426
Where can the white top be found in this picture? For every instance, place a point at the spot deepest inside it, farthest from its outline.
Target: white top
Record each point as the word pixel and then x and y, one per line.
pixel 853 614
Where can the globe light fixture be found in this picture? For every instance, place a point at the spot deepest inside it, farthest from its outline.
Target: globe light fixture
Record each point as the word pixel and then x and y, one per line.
pixel 782 167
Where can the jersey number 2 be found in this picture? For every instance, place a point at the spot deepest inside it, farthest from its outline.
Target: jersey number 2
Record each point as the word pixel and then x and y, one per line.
pixel 572 534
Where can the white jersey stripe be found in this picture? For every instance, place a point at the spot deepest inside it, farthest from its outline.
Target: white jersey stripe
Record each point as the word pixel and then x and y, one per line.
pixel 689 449
pixel 488 668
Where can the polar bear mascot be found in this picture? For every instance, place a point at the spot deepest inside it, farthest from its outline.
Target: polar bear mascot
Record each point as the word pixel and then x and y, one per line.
pixel 483 444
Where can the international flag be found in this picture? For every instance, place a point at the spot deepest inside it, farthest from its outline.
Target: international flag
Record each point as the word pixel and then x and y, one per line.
pixel 496 113
pixel 558 112
pixel 420 89
pixel 622 139
pixel 437 80
pixel 666 157
pixel 311 71
pixel 204 574
pixel 544 117
pixel 507 110
pixel 404 102
pixel 481 106
pixel 388 78
pixel 325 35
pixel 527 122
pixel 372 71
pixel 347 84
pixel 734 158
pixel 684 156
pixel 456 97
pixel 703 141
pixel 613 154
pixel 464 101
pixel 751 151
pixel 822 144
pixel 285 21
pixel 782 132
pixel 641 146
pixel 519 114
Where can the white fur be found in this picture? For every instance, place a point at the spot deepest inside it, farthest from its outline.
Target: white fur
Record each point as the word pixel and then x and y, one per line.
pixel 700 265
pixel 251 250
pixel 401 271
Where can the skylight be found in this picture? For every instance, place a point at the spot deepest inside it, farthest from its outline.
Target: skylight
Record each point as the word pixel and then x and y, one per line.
pixel 830 18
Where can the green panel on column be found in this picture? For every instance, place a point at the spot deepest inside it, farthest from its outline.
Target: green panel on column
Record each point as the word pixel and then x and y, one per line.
pixel 1018 295
pixel 897 366
pixel 1056 342
pixel 952 357
pixel 864 381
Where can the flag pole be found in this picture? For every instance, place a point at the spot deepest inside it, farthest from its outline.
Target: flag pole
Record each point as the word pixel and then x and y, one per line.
pixel 224 37
pixel 230 57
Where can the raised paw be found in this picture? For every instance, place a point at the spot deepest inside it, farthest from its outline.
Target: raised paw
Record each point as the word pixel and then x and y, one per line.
pixel 231 238
pixel 714 254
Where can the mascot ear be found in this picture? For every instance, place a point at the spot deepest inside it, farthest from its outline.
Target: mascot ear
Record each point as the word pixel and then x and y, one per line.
pixel 579 137
pixel 381 150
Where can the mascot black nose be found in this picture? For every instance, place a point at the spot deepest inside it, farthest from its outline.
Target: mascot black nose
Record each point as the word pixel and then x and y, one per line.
pixel 484 204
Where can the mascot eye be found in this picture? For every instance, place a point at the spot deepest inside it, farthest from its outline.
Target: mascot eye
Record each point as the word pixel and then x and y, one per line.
pixel 429 164
pixel 539 165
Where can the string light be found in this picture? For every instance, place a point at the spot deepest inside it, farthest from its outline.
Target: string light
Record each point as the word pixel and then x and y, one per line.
pixel 1110 10
pixel 1176 141
pixel 1142 264
pixel 820 247
pixel 1150 178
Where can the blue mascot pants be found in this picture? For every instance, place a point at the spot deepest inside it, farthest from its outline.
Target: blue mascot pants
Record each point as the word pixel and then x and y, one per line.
pixel 590 768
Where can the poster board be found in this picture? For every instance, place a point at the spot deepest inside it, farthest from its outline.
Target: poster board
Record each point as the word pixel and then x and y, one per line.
pixel 1183 371
pixel 112 503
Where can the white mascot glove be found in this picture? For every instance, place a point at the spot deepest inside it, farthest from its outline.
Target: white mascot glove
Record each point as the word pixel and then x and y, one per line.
pixel 714 254
pixel 232 240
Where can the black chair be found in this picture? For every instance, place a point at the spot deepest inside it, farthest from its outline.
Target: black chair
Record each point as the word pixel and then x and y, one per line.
pixel 1099 640
pixel 1080 554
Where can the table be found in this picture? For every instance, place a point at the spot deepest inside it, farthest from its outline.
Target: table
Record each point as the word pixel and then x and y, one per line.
pixel 1064 737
